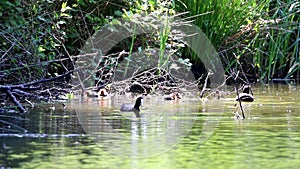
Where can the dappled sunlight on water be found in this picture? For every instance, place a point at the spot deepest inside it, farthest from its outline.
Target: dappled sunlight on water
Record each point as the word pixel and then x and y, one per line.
pixel 189 133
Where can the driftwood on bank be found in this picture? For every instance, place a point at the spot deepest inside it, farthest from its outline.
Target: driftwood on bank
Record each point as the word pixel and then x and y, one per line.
pixel 13 91
pixel 149 81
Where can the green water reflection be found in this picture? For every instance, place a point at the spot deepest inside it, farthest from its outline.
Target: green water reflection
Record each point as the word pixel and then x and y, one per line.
pixel 268 138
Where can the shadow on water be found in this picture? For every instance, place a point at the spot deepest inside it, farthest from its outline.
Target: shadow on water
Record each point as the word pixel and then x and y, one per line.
pixel 186 134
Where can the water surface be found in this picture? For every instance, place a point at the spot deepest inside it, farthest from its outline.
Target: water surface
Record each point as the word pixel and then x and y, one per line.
pixel 191 133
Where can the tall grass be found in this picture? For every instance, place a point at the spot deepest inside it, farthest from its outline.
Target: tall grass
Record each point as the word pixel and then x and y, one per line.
pixel 130 50
pixel 221 19
pixel 261 37
pixel 277 45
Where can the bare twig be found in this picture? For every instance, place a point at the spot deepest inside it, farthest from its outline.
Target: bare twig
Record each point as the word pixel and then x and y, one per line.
pixel 204 89
pixel 22 86
pixel 237 93
pixel 11 89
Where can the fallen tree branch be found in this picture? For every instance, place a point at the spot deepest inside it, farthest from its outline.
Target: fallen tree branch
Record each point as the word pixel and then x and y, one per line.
pixel 23 86
pixel 15 101
pixel 28 94
pixel 12 90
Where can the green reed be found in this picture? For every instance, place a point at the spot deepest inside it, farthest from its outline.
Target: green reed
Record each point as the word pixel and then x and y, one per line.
pixel 277 48
pixel 270 44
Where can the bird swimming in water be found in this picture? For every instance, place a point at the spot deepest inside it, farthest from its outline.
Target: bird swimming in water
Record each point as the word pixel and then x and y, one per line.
pixel 104 91
pixel 101 92
pixel 245 96
pixel 133 107
pixel 173 96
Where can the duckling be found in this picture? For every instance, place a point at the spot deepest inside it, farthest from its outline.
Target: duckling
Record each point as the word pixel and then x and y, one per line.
pixel 245 96
pixel 134 108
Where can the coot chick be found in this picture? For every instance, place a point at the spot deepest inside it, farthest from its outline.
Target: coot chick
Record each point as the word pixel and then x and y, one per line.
pixel 91 94
pixel 173 96
pixel 102 92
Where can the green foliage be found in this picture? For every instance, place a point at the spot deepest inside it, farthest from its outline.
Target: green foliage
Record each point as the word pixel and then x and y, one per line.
pixel 24 40
pixel 155 16
pixel 36 35
pixel 263 36
pixel 277 44
pixel 219 19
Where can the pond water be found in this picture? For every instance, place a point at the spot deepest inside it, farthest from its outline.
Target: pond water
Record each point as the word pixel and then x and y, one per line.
pixel 189 133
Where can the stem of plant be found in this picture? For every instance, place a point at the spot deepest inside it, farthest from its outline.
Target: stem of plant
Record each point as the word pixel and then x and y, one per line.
pixel 130 51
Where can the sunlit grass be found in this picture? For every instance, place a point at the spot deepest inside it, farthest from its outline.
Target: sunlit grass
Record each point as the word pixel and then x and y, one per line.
pixel 261 35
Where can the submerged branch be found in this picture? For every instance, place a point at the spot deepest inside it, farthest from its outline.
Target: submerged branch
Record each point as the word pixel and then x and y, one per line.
pixel 237 93
pixel 204 89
